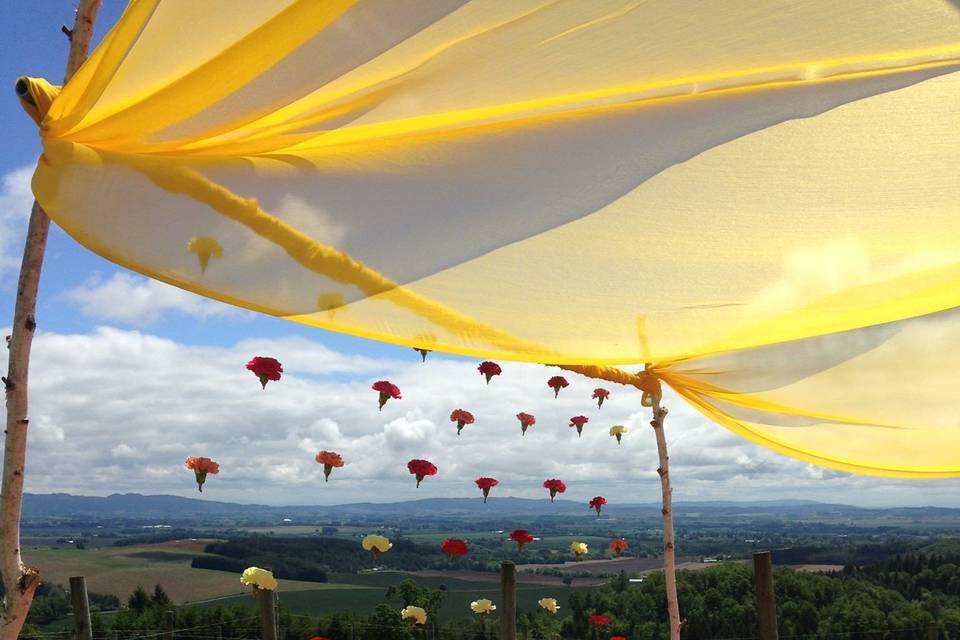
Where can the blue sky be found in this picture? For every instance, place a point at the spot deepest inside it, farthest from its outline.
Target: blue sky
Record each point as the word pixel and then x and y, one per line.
pixel 131 376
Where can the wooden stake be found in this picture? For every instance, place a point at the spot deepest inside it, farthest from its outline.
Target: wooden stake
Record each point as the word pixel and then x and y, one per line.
pixel 669 560
pixel 508 604
pixel 81 608
pixel 19 581
pixel 267 611
pixel 766 600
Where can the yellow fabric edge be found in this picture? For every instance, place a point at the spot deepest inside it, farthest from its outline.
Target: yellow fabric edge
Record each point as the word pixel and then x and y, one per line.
pixel 773 444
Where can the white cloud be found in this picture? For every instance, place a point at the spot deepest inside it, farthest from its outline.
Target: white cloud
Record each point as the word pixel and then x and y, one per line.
pixel 15 202
pixel 140 301
pixel 120 410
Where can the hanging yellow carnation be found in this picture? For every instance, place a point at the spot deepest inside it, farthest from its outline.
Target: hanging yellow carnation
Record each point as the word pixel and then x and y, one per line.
pixel 417 614
pixel 260 578
pixel 579 549
pixel 483 606
pixel 617 431
pixel 549 605
pixel 376 544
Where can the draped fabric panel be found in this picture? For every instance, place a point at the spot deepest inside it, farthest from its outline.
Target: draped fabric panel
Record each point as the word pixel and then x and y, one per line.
pixel 759 199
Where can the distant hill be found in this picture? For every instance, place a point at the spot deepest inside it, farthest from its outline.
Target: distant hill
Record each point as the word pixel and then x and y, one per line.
pixel 135 505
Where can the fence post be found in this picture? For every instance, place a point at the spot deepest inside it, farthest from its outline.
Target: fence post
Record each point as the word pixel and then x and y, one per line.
pixel 933 631
pixel 268 614
pixel 219 632
pixel 508 597
pixel 81 608
pixel 766 600
pixel 169 623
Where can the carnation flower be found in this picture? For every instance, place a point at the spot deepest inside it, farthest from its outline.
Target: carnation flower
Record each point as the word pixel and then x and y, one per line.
pixel 329 460
pixel 600 395
pixel 265 369
pixel 618 546
pixel 201 467
pixel 618 638
pixel 555 486
pixel 549 605
pixel 482 607
pixel 205 247
pixel 330 302
pixel 597 504
pixel 421 469
pixel 579 549
pixel 521 537
pixel 526 420
pixel 578 422
pixel 454 547
pixel 556 383
pixel 462 418
pixel 485 485
pixel 417 614
pixel 423 353
pixel 376 545
pixel 617 431
pixel 489 369
pixel 598 620
pixel 387 390
pixel 259 578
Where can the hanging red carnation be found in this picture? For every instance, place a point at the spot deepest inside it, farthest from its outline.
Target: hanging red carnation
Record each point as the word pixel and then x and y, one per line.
pixel 329 460
pixel 598 620
pixel 265 369
pixel 578 422
pixel 201 467
pixel 618 546
pixel 526 420
pixel 555 486
pixel 387 390
pixel 556 383
pixel 421 469
pixel 618 638
pixel 600 395
pixel 597 504
pixel 462 418
pixel 485 485
pixel 521 537
pixel 489 369
pixel 454 547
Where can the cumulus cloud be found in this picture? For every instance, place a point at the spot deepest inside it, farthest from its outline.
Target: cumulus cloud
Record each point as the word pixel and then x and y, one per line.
pixel 118 410
pixel 15 202
pixel 141 301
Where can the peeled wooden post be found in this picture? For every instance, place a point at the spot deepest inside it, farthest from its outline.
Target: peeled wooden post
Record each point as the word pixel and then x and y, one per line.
pixel 19 581
pixel 766 600
pixel 508 601
pixel 669 560
pixel 81 608
pixel 267 612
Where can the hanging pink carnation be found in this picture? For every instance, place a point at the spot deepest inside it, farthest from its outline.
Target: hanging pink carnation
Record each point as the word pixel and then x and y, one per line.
pixel 421 469
pixel 526 420
pixel 597 504
pixel 387 390
pixel 556 383
pixel 462 418
pixel 578 422
pixel 489 369
pixel 485 485
pixel 555 486
pixel 265 369
pixel 600 395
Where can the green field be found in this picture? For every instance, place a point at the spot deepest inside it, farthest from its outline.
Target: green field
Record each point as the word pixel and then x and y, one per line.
pixel 362 593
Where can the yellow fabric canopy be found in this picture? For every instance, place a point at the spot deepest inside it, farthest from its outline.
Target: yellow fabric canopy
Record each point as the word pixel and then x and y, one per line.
pixel 760 199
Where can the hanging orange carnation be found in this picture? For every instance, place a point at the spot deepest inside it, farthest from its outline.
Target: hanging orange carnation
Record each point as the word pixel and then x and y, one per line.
pixel 618 546
pixel 526 420
pixel 329 460
pixel 201 467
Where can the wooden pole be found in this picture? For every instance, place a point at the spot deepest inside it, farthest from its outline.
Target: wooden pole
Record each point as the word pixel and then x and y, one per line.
pixel 169 623
pixel 81 608
pixel 766 600
pixel 267 611
pixel 20 581
pixel 669 559
pixel 508 600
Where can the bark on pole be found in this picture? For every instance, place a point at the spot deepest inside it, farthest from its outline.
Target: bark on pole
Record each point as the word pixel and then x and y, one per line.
pixel 81 608
pixel 508 601
pixel 766 601
pixel 267 611
pixel 19 581
pixel 669 561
